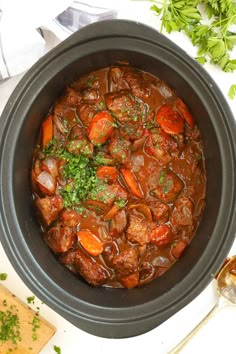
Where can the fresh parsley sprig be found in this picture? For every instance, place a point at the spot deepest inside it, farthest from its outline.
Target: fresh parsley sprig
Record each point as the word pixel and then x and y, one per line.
pixel 208 23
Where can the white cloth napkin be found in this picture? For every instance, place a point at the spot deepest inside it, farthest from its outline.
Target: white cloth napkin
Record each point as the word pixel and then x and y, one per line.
pixel 23 25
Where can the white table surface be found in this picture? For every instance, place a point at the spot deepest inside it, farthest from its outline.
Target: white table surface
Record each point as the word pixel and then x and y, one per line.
pixel 218 336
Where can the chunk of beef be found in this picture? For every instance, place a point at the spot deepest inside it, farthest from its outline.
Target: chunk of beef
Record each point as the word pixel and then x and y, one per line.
pixel 70 217
pixel 162 146
pixel 86 112
pixel 161 236
pixel 60 238
pixel 90 95
pixel 67 114
pixel 137 83
pixel 138 230
pixel 50 208
pixel 115 79
pixel 130 281
pixel 95 205
pixel 121 77
pixel 110 251
pixel 182 168
pixel 134 131
pixel 125 106
pixel 118 223
pixel 68 258
pixel 71 97
pixel 126 263
pixel 76 133
pixel 121 103
pixel 183 212
pixel 119 149
pixel 80 146
pixel 92 271
pixel 192 155
pixel 160 211
pixel 119 191
pixel 169 185
pixel 78 142
pixel 108 193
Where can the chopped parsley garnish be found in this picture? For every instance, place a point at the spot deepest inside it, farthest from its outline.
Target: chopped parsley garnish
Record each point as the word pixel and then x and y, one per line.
pixel 102 159
pixel 101 105
pixel 120 203
pixel 50 148
pixel 35 326
pixel 91 80
pixel 3 276
pixel 9 326
pixel 82 182
pixel 167 186
pixel 162 177
pixel 82 174
pixel 30 299
pixel 164 182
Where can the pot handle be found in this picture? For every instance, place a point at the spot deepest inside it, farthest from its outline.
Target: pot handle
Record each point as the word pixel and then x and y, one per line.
pixel 119 28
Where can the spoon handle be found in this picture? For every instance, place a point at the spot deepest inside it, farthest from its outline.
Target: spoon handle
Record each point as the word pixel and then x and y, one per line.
pixel 203 322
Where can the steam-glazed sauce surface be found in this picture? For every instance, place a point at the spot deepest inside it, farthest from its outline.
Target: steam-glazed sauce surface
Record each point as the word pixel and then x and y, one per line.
pixel 118 177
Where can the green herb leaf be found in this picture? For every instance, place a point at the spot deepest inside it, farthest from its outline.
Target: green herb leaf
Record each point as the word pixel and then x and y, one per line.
pixel 201 60
pixel 30 299
pixel 3 276
pixel 57 349
pixel 232 92
pixel 156 9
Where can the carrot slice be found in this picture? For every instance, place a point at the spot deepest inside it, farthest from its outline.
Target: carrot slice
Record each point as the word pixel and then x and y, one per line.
pixel 112 212
pixel 108 173
pixel 47 131
pixel 170 121
pixel 178 249
pixel 100 128
pixel 184 111
pixel 131 183
pixel 90 242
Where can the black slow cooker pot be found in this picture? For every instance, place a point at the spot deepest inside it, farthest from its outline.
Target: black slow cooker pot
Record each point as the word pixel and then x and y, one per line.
pixel 102 311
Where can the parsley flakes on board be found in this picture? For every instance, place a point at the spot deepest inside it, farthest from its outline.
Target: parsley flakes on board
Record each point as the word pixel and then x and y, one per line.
pixel 9 325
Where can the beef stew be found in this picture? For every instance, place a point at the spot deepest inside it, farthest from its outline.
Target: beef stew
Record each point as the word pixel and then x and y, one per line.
pixel 118 177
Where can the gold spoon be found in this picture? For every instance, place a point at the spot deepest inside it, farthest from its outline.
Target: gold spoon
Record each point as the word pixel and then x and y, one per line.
pixel 226 288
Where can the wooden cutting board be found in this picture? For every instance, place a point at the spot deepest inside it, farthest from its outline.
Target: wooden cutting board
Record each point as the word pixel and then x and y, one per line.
pixel 31 325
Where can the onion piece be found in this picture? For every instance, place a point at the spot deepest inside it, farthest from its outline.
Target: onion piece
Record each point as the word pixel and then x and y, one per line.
pixel 46 183
pixel 143 209
pixel 50 164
